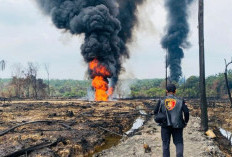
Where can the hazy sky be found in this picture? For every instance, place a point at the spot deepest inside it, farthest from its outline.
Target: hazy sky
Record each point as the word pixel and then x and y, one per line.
pixel 26 35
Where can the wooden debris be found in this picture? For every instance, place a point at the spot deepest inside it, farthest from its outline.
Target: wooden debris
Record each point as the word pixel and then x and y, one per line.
pixel 19 125
pixel 210 134
pixel 35 147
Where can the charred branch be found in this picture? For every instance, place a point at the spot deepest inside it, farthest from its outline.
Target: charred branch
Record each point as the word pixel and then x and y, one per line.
pixel 35 147
pixel 66 126
pixel 19 125
pixel 109 131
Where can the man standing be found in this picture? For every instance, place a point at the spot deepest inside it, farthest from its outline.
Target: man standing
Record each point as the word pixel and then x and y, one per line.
pixel 173 108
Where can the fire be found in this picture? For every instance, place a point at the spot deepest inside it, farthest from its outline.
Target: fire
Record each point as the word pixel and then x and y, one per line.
pixel 101 86
pixel 100 83
pixel 98 69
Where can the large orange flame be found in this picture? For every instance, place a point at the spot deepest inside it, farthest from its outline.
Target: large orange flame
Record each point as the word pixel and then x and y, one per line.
pixel 101 86
pixel 98 69
pixel 99 82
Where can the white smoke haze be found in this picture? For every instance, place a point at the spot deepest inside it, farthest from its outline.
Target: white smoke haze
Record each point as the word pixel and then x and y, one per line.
pixel 90 94
pixel 123 89
pixel 125 81
pixel 146 23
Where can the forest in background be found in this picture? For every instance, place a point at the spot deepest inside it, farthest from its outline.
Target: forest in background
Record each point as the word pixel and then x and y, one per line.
pixel 31 87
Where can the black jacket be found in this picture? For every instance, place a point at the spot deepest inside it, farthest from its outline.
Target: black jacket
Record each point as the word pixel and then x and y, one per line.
pixel 174 108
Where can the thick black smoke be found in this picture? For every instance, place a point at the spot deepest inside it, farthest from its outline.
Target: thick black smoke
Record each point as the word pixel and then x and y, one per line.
pixel 176 36
pixel 128 17
pixel 107 25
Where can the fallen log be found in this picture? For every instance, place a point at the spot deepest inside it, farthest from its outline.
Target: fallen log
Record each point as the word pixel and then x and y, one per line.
pixel 46 130
pixel 41 121
pixel 66 126
pixel 35 147
pixel 112 132
pixel 14 127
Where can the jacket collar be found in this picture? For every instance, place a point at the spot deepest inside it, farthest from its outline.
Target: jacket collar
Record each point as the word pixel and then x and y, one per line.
pixel 170 95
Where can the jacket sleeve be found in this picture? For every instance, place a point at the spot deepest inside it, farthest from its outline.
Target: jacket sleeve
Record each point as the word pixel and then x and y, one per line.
pixel 156 110
pixel 186 112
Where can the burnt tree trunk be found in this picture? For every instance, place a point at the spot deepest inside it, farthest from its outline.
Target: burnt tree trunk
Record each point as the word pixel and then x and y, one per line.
pixel 35 88
pixel 227 83
pixel 48 86
pixel 204 113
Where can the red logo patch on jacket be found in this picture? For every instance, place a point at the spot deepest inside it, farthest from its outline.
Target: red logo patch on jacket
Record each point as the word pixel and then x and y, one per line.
pixel 170 104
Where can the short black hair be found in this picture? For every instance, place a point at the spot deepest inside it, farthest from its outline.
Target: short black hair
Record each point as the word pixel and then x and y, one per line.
pixel 171 88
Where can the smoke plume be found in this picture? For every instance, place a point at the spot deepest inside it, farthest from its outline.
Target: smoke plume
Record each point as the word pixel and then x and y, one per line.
pixel 175 39
pixel 128 18
pixel 106 24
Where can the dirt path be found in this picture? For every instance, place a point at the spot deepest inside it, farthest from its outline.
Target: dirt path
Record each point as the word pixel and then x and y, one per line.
pixel 196 144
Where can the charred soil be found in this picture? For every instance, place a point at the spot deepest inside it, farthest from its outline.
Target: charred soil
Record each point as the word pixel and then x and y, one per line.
pixel 64 128
pixel 220 117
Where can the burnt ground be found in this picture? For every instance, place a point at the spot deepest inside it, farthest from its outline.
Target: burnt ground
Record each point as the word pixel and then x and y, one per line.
pixel 220 116
pixel 147 142
pixel 64 128
pixel 82 128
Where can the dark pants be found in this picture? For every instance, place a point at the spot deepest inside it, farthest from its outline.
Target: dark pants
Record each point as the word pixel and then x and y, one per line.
pixel 177 135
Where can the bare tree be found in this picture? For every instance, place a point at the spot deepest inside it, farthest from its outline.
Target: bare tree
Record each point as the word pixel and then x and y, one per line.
pixel 17 70
pixel 2 67
pixel 46 66
pixel 17 79
pixel 227 82
pixel 41 88
pixel 32 71
pixel 27 83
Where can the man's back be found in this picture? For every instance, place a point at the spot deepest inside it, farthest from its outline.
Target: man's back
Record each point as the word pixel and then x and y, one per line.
pixel 173 124
pixel 175 107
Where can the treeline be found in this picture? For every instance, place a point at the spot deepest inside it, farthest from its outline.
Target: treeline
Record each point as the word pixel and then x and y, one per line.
pixel 148 88
pixel 26 84
pixel 69 88
pixel 189 88
pixel 15 88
